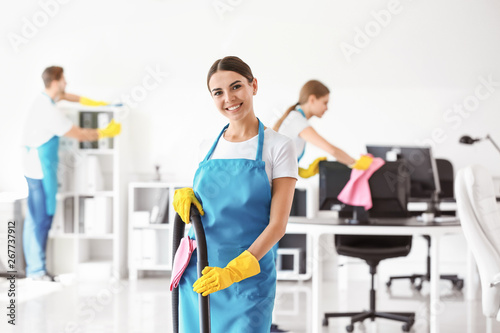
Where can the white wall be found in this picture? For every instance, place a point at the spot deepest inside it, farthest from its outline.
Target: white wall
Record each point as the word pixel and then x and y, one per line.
pixel 429 56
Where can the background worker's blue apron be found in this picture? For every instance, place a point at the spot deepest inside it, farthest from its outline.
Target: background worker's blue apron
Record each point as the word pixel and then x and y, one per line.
pixel 303 150
pixel 48 153
pixel 236 197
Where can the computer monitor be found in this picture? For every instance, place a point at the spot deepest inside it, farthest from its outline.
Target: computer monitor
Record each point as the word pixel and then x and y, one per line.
pixel 421 167
pixel 389 188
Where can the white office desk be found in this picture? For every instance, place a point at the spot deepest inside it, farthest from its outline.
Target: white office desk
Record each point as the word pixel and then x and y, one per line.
pixel 315 227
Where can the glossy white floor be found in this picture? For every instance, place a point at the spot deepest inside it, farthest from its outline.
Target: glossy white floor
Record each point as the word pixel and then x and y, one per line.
pixel 143 306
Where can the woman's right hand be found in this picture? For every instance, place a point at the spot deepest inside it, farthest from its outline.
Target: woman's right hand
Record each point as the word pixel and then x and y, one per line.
pixel 363 163
pixel 183 198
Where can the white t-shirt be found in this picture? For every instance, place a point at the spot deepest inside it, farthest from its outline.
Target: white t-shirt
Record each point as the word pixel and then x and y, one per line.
pixel 293 124
pixel 43 121
pixel 278 153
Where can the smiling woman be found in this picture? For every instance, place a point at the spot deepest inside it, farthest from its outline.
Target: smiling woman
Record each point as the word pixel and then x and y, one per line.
pixel 232 85
pixel 245 186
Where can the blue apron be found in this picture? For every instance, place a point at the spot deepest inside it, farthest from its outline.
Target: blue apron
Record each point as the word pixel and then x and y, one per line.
pixel 48 153
pixel 236 197
pixel 304 115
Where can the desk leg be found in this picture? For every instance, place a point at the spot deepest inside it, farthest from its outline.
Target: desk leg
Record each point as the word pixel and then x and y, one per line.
pixel 435 305
pixel 317 280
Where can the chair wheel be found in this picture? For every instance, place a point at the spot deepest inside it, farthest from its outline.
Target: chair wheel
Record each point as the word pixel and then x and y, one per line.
pixel 388 283
pixel 418 287
pixel 459 285
pixel 325 321
pixel 349 328
pixel 406 327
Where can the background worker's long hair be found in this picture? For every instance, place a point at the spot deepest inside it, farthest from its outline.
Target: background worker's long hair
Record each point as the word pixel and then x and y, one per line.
pixel 312 87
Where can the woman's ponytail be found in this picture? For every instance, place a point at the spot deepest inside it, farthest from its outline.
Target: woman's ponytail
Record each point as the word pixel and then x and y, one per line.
pixel 280 121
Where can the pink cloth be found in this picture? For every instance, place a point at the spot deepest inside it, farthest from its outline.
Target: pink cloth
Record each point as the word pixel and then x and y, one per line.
pixel 357 190
pixel 181 260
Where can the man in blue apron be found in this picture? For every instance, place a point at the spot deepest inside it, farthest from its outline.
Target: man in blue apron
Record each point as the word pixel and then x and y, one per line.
pixel 43 127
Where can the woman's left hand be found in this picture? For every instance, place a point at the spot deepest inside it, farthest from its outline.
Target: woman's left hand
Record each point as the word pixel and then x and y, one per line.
pixel 313 168
pixel 216 278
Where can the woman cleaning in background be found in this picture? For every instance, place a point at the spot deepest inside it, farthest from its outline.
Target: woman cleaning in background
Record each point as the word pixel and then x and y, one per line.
pixel 313 102
pixel 244 189
pixel 43 127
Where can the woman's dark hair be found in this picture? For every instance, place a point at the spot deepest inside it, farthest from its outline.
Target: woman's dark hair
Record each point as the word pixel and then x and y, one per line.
pixel 52 73
pixel 233 64
pixel 312 87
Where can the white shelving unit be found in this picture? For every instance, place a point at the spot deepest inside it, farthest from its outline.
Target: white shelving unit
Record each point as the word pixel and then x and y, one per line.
pixel 156 253
pixel 292 263
pixel 150 244
pixel 86 235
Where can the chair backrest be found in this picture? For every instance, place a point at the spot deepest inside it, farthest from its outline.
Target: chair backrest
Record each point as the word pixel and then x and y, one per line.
pixel 480 218
pixel 446 177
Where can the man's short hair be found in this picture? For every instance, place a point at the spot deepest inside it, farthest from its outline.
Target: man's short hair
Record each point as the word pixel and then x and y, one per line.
pixel 52 73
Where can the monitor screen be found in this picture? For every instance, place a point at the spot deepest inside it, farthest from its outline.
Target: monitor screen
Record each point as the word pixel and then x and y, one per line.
pixel 389 188
pixel 421 167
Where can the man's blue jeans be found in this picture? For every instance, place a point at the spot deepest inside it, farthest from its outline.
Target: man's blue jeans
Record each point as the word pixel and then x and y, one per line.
pixel 36 229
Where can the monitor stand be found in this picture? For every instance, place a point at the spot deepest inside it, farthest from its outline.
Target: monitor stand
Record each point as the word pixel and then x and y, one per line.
pixel 433 207
pixel 359 216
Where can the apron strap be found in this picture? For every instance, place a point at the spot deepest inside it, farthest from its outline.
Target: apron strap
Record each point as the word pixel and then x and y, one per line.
pixel 258 157
pixel 298 108
pixel 211 151
pixel 260 144
pixel 44 93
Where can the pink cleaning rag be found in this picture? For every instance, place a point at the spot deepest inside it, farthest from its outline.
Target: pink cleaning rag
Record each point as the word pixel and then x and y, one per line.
pixel 357 190
pixel 181 260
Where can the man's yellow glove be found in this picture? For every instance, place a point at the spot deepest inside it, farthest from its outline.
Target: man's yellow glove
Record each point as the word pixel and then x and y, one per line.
pixel 362 163
pixel 313 168
pixel 113 129
pixel 91 102
pixel 215 278
pixel 183 198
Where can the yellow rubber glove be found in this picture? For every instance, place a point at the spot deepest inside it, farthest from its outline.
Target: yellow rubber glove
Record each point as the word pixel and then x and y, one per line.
pixel 183 198
pixel 113 129
pixel 215 278
pixel 91 102
pixel 362 163
pixel 312 170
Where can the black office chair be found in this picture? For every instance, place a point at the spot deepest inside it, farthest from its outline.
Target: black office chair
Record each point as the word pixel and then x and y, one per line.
pixel 373 249
pixel 446 177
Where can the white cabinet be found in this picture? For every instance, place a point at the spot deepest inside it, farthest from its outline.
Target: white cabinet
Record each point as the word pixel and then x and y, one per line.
pixel 86 233
pixel 150 226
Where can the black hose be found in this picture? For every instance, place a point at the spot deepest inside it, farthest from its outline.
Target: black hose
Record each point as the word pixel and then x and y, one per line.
pixel 201 246
pixel 178 233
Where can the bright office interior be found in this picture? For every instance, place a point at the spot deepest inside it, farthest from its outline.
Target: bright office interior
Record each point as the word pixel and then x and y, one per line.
pixel 400 73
